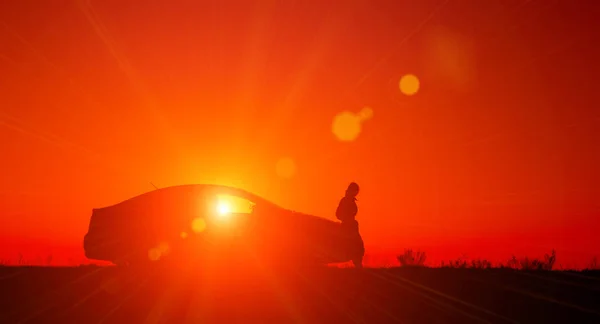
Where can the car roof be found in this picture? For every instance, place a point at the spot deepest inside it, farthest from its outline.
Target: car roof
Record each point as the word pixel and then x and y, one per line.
pixel 178 191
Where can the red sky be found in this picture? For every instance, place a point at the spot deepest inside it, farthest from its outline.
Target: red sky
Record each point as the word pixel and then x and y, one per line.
pixel 497 153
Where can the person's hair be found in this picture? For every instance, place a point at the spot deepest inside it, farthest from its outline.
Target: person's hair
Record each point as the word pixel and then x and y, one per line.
pixel 352 188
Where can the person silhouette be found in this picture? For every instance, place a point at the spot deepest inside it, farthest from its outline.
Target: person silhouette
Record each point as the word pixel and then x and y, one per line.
pixel 346 212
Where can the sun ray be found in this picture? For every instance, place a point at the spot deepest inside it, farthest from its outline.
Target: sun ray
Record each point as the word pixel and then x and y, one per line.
pixel 55 140
pixel 449 297
pixel 148 100
pixel 341 150
pixel 124 299
pixel 49 137
pixel 283 115
pixel 337 305
pixel 250 81
pixel 385 58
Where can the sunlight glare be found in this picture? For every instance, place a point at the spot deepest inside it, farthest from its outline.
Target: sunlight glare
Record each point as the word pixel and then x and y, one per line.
pixel 223 208
pixel 198 225
pixel 285 167
pixel 183 235
pixel 409 84
pixel 346 126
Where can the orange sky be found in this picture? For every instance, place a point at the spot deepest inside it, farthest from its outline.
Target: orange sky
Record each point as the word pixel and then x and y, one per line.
pixel 497 153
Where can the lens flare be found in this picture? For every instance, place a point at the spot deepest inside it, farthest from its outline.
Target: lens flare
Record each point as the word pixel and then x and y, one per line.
pixel 409 84
pixel 346 126
pixel 198 225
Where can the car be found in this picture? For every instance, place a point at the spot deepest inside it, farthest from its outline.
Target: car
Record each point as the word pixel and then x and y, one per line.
pixel 196 220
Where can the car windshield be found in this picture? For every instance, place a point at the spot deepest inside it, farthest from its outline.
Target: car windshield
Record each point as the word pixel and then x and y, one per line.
pixel 238 200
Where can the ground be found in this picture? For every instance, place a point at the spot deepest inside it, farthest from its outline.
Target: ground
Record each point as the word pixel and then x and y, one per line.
pixel 163 294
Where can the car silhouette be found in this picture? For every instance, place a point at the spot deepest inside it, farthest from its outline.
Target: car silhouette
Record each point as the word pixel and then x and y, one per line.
pixel 187 221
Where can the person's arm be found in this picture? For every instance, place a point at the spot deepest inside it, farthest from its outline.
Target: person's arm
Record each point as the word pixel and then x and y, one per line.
pixel 339 212
pixel 353 209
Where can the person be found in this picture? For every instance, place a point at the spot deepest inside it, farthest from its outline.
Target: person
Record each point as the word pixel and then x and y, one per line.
pixel 346 212
pixel 347 208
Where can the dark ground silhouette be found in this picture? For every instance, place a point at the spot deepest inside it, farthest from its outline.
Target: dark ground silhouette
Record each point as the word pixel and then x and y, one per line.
pixel 90 294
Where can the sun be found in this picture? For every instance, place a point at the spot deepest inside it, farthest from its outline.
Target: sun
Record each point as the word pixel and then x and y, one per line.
pixel 223 208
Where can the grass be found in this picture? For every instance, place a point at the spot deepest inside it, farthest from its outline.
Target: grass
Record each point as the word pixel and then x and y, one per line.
pixel 412 258
pixel 398 294
pixel 520 290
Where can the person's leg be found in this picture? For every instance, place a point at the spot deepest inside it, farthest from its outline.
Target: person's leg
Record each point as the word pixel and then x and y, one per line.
pixel 360 248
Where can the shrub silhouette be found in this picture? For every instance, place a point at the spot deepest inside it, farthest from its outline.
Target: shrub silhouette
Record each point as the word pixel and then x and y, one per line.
pixel 411 258
pixel 481 264
pixel 459 263
pixel 529 264
pixel 407 259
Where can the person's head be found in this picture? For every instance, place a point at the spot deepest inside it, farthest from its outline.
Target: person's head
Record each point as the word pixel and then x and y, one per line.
pixel 352 190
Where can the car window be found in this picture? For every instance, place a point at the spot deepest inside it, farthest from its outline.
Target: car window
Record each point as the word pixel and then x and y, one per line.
pixel 233 204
